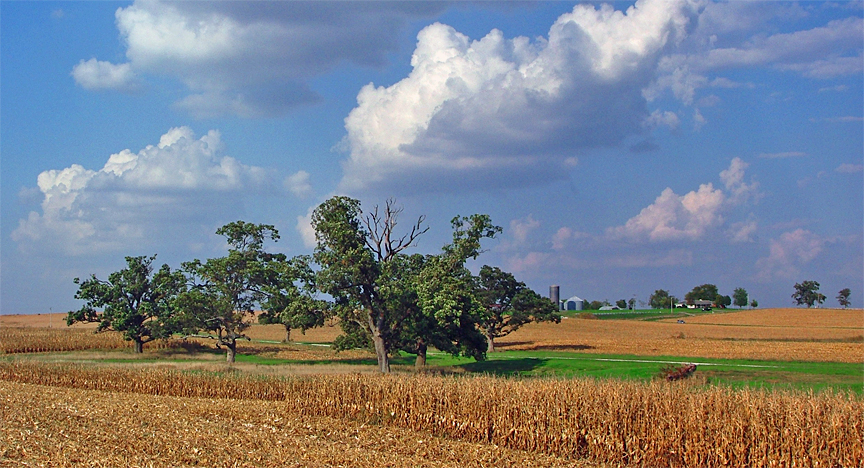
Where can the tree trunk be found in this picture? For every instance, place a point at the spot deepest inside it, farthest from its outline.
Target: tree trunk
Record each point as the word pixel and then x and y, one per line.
pixel 232 352
pixel 421 354
pixel 378 340
pixel 287 333
pixel 490 343
pixel 381 352
pixel 139 346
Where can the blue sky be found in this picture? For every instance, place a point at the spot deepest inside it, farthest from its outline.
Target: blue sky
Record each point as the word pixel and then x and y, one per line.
pixel 622 147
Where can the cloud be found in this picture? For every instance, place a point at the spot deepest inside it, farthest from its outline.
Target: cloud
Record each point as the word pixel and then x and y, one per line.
pixel 847 168
pixel 97 75
pixel 254 59
pixel 733 179
pixel 675 217
pixel 789 252
pixel 560 238
pixel 731 35
pixel 802 51
pixel 843 119
pixel 691 216
pixel 298 184
pixel 742 232
pixel 520 228
pixel 305 229
pixel 504 112
pixel 789 154
pixel 182 179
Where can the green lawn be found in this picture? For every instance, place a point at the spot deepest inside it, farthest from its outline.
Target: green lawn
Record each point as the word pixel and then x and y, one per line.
pixel 736 373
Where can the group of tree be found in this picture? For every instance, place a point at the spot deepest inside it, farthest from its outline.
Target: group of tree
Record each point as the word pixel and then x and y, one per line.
pixel 384 298
pixel 662 299
pixel 807 293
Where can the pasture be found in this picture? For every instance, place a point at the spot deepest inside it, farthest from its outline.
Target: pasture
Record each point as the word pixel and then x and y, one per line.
pixel 772 387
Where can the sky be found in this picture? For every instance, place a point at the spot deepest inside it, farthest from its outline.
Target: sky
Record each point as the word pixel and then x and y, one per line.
pixel 623 147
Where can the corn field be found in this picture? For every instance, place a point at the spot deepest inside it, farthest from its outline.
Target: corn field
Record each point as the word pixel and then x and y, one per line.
pixel 606 422
pixel 43 340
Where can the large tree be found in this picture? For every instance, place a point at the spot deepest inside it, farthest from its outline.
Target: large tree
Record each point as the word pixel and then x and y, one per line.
pixel 509 304
pixel 705 292
pixel 135 301
pixel 740 297
pixel 385 297
pixel 224 291
pixel 661 300
pixel 450 305
pixel 843 297
pixel 807 292
pixel 289 297
pixel 357 256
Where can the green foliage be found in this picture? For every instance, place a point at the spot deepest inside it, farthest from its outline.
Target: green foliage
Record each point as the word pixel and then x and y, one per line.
pixel 509 304
pixel 621 304
pixel 661 300
pixel 754 303
pixel 740 297
pixel 807 292
pixel 289 297
pixel 843 297
pixel 705 292
pixel 225 290
pixel 392 300
pixel 135 301
pixel 723 301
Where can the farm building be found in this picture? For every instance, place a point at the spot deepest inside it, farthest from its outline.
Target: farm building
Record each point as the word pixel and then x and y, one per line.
pixel 574 303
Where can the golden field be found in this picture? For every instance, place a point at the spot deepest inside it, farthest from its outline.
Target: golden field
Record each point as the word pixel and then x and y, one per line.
pixel 833 335
pixel 63 427
pixel 237 420
pixel 161 414
pixel 824 335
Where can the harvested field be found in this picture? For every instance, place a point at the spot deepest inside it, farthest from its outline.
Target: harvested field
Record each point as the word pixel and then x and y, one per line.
pixel 807 319
pixel 613 422
pixel 53 426
pixel 770 335
pixel 40 340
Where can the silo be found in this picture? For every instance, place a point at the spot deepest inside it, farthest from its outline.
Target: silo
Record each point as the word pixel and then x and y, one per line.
pixel 555 295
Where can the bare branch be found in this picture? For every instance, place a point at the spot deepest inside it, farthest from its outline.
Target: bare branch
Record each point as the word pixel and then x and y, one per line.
pixel 381 227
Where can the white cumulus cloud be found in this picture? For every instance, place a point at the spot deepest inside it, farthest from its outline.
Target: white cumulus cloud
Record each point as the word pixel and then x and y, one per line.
pixel 249 58
pixel 733 179
pixel 693 215
pixel 95 74
pixel 498 111
pixel 675 217
pixel 788 253
pixel 181 179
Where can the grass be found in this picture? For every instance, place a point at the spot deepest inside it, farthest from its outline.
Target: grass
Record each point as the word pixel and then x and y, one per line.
pixel 735 373
pixel 738 373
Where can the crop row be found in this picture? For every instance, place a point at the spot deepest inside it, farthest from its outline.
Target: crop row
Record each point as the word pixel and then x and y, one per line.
pixel 622 423
pixel 43 340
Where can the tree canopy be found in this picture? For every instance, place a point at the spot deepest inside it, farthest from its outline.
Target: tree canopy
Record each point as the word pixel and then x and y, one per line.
pixel 661 299
pixel 807 292
pixel 843 297
pixel 224 291
pixel 387 298
pixel 289 296
pixel 135 301
pixel 705 292
pixel 740 296
pixel 509 304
